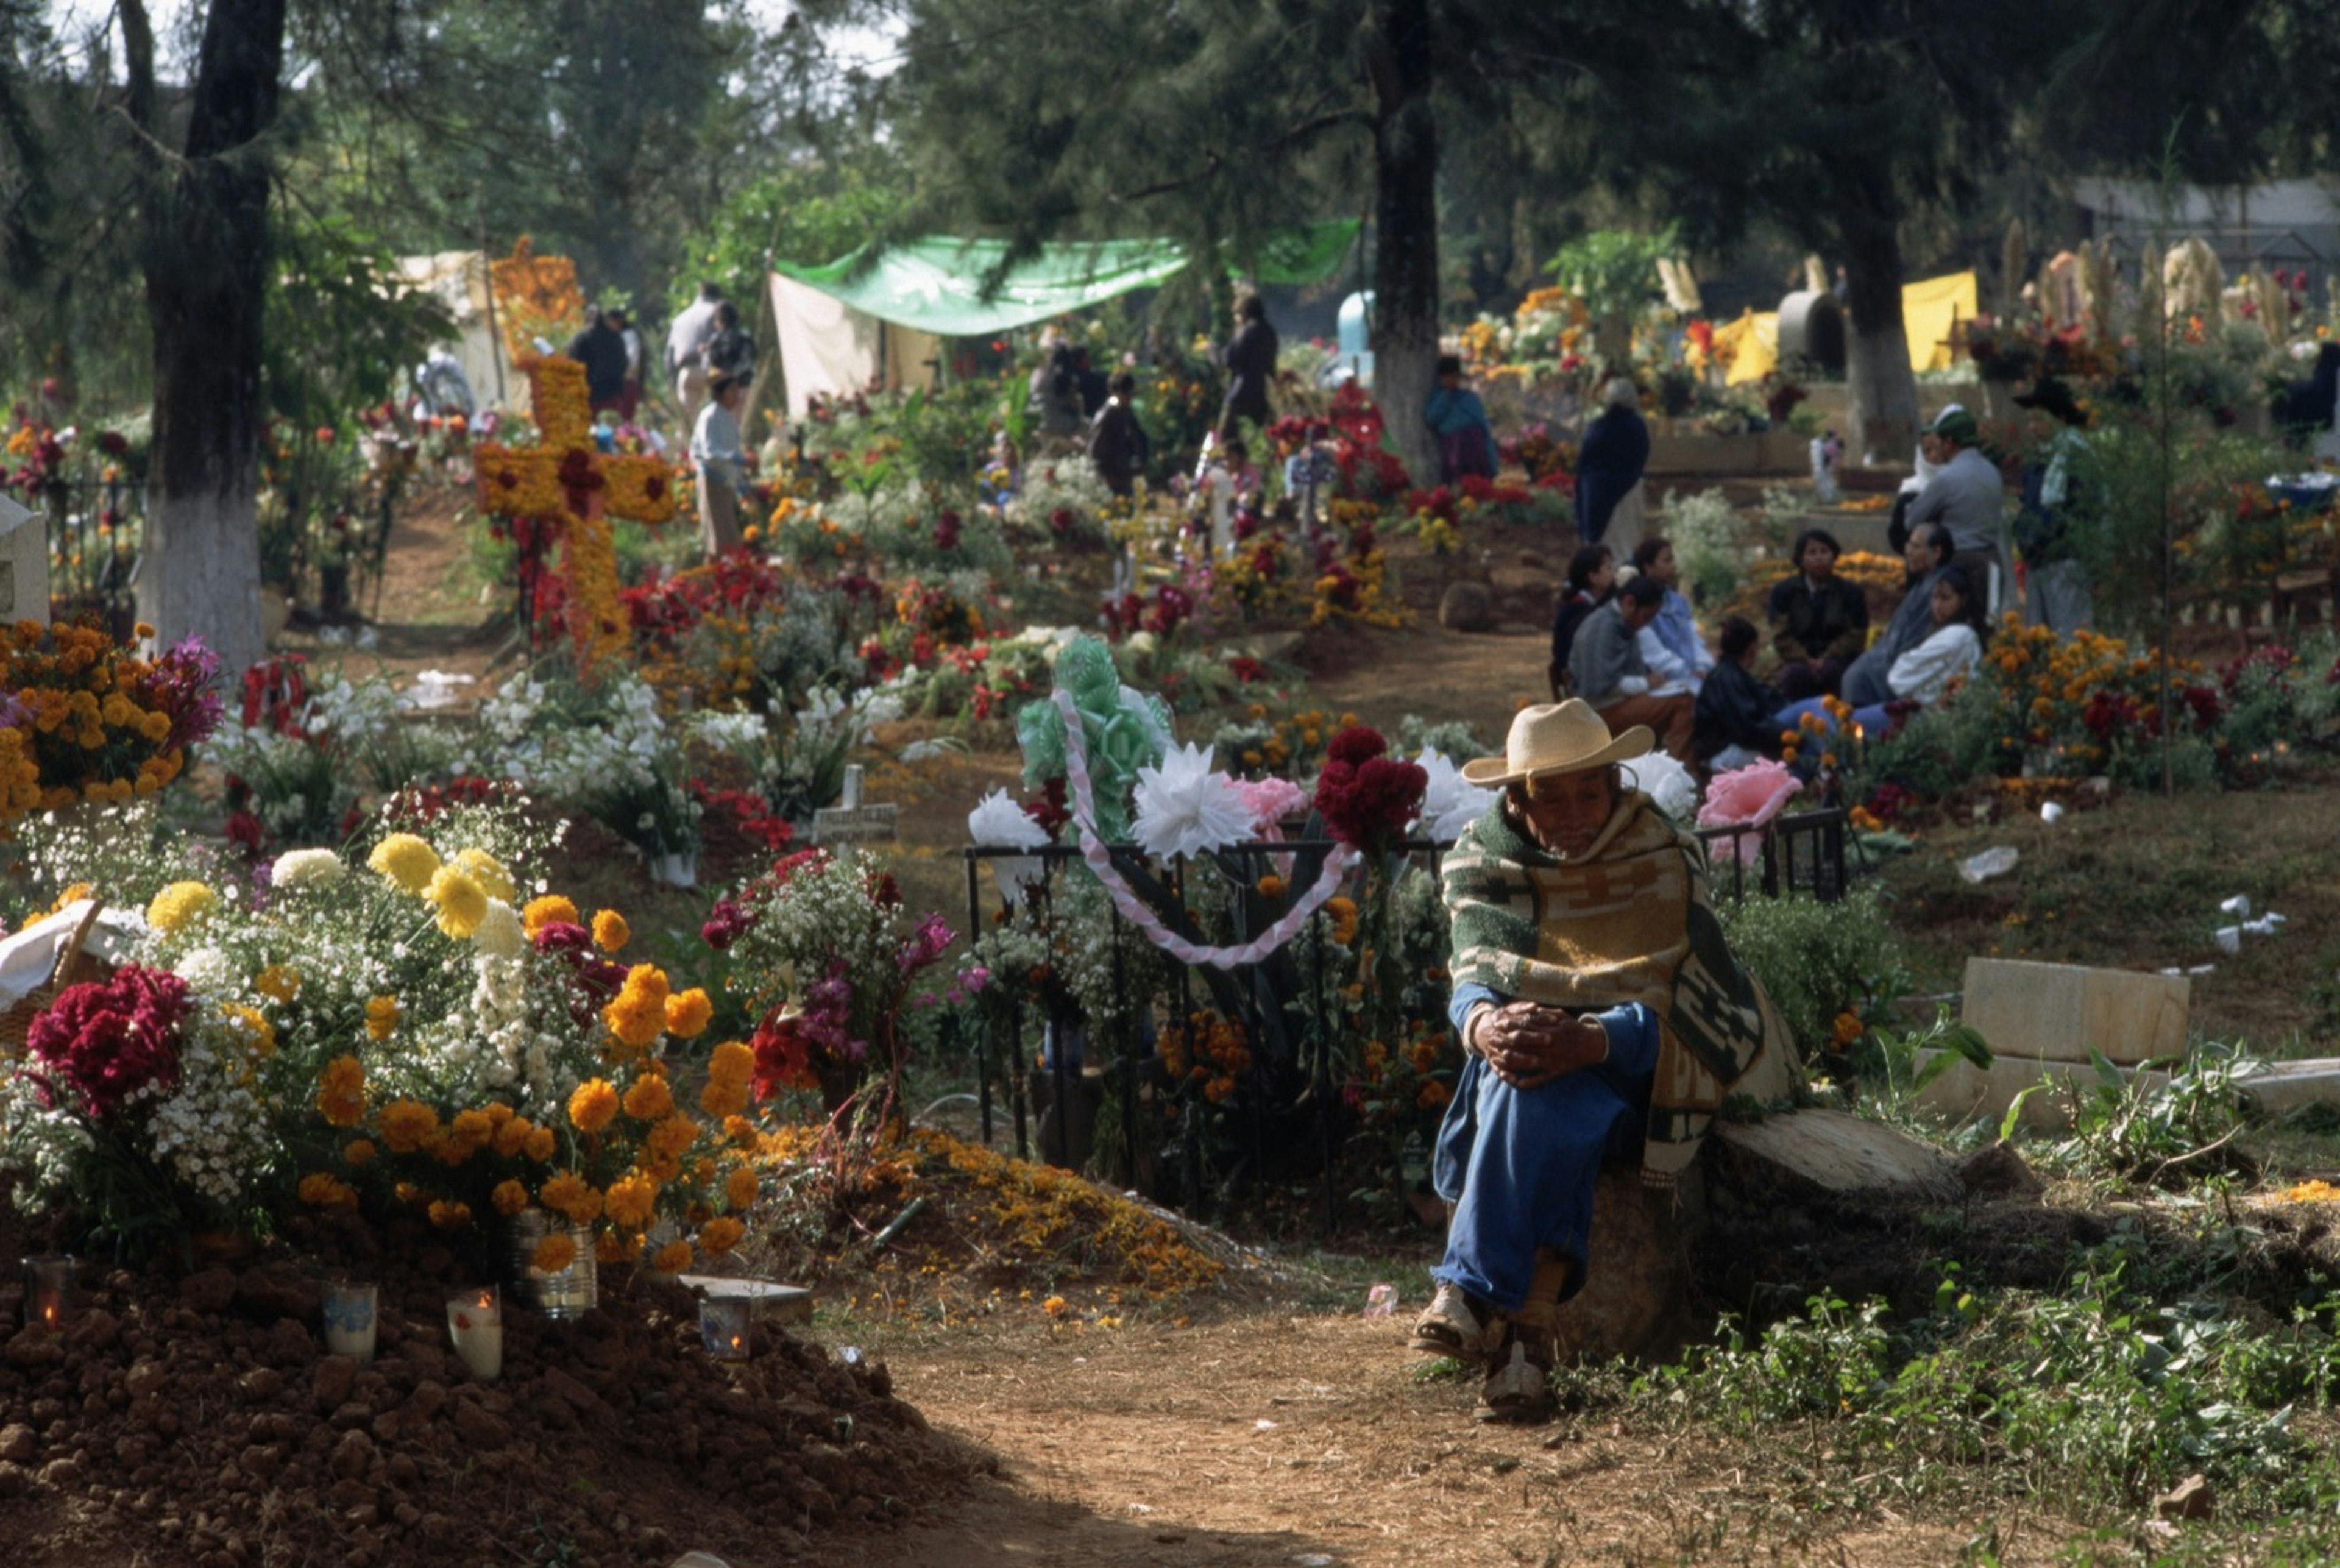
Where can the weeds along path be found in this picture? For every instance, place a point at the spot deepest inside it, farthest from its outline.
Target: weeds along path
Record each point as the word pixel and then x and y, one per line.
pixel 1268 1439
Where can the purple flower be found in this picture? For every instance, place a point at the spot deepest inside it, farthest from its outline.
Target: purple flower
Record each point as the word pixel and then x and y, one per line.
pixel 925 946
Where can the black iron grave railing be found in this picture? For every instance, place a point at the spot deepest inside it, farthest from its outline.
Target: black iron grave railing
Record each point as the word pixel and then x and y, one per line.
pixel 1289 1118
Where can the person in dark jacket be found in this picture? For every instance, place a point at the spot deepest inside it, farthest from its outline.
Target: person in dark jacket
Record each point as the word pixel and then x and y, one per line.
pixel 731 349
pixel 1733 724
pixel 1609 464
pixel 1118 443
pixel 1251 367
pixel 1820 622
pixel 601 348
pixel 1592 579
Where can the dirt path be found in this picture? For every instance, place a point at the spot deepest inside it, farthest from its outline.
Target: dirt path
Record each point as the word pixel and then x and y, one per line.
pixel 1275 1440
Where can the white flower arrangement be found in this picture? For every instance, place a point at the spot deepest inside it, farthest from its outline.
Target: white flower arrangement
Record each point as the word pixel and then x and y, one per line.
pixel 1185 806
pixel 1450 803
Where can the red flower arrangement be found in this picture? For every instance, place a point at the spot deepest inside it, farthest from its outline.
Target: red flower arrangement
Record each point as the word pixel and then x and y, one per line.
pixel 110 1040
pixel 1365 797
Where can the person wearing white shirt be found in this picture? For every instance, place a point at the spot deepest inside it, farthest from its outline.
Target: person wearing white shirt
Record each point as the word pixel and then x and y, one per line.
pixel 685 340
pixel 1921 676
pixel 723 463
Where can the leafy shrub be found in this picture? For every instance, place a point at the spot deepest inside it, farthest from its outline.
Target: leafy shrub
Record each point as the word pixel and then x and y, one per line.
pixel 1815 960
pixel 1706 534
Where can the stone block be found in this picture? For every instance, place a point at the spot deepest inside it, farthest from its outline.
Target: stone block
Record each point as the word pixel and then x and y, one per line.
pixel 2281 1088
pixel 2055 1012
pixel 1842 1153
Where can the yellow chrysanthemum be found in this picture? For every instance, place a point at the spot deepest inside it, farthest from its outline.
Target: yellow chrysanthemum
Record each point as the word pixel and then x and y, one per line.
pixel 610 931
pixel 460 899
pixel 341 1092
pixel 648 1099
pixel 740 1187
pixel 180 906
pixel 632 1200
pixel 553 909
pixel 381 1017
pixel 406 860
pixel 405 1123
pixel 672 1258
pixel 510 1197
pixel 488 872
pixel 278 982
pixel 720 1235
pixel 570 1194
pixel 553 1254
pixel 686 1013
pixel 592 1105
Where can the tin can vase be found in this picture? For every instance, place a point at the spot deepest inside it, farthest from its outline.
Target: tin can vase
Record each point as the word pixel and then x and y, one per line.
pixel 569 1290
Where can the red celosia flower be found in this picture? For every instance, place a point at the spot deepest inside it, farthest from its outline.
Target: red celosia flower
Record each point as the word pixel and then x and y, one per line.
pixel 110 1039
pixel 1366 797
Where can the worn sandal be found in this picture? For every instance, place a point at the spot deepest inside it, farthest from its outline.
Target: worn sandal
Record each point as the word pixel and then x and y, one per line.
pixel 1451 1326
pixel 1518 1382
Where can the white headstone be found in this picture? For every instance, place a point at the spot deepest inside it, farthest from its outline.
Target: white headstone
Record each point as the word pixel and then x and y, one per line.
pixel 850 821
pixel 23 564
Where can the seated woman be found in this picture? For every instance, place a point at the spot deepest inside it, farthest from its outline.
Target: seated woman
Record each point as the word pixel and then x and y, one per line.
pixel 1734 723
pixel 1951 648
pixel 1820 622
pixel 1466 441
pixel 1601 1012
pixel 1592 579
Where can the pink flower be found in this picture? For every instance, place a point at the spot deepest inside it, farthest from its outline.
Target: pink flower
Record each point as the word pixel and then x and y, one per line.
pixel 1747 796
pixel 1270 801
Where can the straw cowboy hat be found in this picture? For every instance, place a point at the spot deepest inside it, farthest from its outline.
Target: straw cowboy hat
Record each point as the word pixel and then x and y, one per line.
pixel 1553 738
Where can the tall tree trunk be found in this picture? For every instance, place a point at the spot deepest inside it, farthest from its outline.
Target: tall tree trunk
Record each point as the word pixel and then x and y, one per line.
pixel 207 261
pixel 1405 229
pixel 1879 385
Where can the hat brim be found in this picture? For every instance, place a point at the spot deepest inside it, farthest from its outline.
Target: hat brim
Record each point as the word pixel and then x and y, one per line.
pixel 1492 772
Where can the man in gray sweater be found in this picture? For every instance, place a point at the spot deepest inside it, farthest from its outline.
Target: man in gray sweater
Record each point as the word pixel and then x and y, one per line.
pixel 1967 499
pixel 1924 557
pixel 1605 669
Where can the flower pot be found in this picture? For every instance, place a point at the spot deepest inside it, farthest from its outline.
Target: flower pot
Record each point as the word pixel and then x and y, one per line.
pixel 676 870
pixel 570 1291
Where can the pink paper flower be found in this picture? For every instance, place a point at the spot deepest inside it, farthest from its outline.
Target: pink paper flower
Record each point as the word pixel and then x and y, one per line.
pixel 1747 796
pixel 1270 801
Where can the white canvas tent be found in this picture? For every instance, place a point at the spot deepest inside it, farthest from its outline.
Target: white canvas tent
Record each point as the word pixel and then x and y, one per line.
pixel 828 346
pixel 460 279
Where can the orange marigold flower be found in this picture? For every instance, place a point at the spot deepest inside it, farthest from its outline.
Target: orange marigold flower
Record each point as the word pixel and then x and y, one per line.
pixel 722 1233
pixel 318 1190
pixel 686 1013
pixel 553 1253
pixel 510 1197
pixel 610 931
pixel 568 1193
pixel 610 1246
pixel 381 1017
pixel 740 1187
pixel 594 1105
pixel 538 1144
pixel 724 1097
pixel 449 1215
pixel 511 1136
pixel 672 1258
pixel 341 1092
pixel 632 1200
pixel 731 1062
pixel 671 1137
pixel 553 909
pixel 405 1123
pixel 649 1099
pixel 357 1152
pixel 278 982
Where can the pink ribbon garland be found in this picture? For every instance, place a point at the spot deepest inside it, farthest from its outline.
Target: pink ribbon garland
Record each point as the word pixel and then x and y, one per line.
pixel 1135 909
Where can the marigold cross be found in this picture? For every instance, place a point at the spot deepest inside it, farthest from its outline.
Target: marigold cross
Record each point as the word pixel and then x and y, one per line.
pixel 565 488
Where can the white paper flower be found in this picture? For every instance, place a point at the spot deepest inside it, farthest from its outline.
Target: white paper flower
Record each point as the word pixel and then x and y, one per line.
pixel 1451 802
pixel 306 869
pixel 1665 781
pixel 1187 807
pixel 998 821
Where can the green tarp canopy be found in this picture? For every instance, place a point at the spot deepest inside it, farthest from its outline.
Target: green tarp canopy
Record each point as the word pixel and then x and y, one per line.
pixel 936 284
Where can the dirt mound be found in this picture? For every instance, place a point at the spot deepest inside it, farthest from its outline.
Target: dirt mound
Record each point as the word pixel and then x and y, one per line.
pixel 193 1418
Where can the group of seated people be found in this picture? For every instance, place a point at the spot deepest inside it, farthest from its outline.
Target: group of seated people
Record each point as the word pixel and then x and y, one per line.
pixel 1635 652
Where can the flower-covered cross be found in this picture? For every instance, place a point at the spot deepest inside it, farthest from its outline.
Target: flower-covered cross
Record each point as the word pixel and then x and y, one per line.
pixel 567 488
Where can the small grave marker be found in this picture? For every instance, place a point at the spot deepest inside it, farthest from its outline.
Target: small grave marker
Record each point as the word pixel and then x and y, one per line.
pixel 850 821
pixel 769 1299
pixel 23 564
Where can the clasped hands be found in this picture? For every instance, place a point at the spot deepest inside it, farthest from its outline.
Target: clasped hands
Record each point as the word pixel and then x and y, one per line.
pixel 1529 1045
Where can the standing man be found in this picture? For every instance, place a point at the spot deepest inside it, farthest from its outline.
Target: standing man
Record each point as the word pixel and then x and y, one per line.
pixel 1606 670
pixel 632 398
pixel 1966 498
pixel 1609 465
pixel 1251 367
pixel 685 341
pixel 722 464
pixel 598 347
pixel 2059 493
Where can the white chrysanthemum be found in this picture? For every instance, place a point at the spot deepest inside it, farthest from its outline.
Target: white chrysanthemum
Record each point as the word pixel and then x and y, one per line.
pixel 997 820
pixel 209 971
pixel 500 934
pixel 1186 806
pixel 1450 802
pixel 306 869
pixel 1665 781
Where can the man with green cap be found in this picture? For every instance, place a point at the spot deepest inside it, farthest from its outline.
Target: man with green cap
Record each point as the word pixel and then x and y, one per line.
pixel 1967 500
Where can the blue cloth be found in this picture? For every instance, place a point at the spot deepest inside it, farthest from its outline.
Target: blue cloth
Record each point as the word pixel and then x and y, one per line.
pixel 1466 441
pixel 1519 1164
pixel 1678 629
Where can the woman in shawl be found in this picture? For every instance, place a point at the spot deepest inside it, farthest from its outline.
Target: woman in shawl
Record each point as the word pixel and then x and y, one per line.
pixel 1603 1015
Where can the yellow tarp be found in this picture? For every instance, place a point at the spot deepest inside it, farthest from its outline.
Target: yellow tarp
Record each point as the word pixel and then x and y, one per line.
pixel 1929 307
pixel 1752 344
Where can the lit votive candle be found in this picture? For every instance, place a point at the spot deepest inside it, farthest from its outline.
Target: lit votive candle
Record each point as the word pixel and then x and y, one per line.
pixel 349 1320
pixel 723 1328
pixel 475 1323
pixel 48 1291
